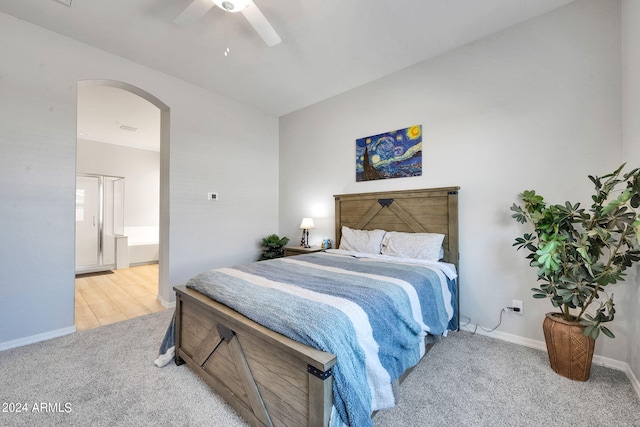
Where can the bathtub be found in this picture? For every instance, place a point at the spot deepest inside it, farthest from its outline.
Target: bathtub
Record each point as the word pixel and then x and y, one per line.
pixel 143 245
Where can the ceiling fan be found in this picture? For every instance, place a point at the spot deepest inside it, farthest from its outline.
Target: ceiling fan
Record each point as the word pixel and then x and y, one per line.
pixel 198 8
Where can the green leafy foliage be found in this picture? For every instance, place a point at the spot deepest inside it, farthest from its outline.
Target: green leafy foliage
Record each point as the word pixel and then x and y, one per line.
pixel 273 247
pixel 577 253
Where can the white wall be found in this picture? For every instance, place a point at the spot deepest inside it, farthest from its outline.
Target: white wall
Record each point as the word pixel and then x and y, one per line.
pixel 631 138
pixel 216 145
pixel 535 106
pixel 141 170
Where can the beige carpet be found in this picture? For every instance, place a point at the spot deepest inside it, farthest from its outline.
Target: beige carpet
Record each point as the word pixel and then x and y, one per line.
pixel 106 377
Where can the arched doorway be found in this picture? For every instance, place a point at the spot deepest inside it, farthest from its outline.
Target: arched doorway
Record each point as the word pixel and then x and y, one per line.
pixel 163 288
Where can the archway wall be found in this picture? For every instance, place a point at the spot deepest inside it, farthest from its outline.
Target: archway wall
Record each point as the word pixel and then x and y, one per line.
pixel 214 145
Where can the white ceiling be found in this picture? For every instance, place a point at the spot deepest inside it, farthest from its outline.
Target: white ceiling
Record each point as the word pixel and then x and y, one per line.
pixel 328 47
pixel 115 116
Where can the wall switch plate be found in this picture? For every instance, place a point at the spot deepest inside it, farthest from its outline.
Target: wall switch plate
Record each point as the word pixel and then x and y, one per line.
pixel 212 196
pixel 516 303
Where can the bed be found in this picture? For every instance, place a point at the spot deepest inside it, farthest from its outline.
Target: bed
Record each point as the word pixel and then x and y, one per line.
pixel 273 380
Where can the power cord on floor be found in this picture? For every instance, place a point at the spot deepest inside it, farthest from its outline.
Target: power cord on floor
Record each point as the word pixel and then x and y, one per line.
pixel 475 329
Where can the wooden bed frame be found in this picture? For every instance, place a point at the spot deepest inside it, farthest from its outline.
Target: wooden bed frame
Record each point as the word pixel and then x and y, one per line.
pixel 269 379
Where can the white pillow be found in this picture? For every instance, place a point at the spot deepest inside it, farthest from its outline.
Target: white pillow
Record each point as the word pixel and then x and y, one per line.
pixel 364 241
pixel 413 245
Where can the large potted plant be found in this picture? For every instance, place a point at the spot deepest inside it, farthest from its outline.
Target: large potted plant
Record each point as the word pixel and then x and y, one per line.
pixel 577 254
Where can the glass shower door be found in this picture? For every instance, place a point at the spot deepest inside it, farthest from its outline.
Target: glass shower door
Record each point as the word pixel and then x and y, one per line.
pixel 87 222
pixel 113 222
pixel 99 220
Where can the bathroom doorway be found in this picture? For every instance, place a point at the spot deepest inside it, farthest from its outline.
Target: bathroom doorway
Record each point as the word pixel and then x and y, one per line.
pixel 115 122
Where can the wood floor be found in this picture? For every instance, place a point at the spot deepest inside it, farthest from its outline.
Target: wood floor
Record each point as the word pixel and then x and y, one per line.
pixel 104 298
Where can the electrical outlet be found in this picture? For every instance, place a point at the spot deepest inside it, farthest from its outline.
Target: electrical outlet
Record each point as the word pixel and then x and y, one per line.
pixel 212 196
pixel 516 303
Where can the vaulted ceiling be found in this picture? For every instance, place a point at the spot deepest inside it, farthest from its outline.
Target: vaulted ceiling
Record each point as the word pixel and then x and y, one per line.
pixel 328 47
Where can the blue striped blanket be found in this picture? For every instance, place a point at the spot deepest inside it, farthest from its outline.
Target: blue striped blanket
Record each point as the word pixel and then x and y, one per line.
pixel 373 315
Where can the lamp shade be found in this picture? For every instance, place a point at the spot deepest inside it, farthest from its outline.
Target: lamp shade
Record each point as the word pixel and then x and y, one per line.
pixel 232 5
pixel 307 223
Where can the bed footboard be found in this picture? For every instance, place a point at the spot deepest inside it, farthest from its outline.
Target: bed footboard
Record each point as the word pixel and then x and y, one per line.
pixel 269 379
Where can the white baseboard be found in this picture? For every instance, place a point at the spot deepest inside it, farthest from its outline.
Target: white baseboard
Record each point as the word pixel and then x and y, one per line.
pixel 166 304
pixel 57 333
pixel 540 345
pixel 527 342
pixel 37 338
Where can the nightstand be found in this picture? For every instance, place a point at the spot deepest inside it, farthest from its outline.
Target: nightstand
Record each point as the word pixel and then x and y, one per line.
pixel 299 250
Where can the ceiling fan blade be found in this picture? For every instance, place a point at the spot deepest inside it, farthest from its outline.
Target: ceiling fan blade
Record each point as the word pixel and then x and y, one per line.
pixel 193 12
pixel 261 25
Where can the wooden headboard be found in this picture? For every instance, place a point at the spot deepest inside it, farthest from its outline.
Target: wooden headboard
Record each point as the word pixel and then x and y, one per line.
pixel 431 210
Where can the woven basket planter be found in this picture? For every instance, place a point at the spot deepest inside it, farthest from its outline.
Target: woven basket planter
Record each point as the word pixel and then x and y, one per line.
pixel 570 351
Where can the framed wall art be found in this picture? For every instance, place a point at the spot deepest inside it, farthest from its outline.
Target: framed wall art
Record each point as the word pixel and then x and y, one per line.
pixel 395 154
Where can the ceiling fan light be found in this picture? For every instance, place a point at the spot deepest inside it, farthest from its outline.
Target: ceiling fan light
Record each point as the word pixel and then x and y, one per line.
pixel 232 5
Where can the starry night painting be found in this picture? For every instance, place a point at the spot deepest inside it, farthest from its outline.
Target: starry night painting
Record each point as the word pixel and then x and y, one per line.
pixel 395 154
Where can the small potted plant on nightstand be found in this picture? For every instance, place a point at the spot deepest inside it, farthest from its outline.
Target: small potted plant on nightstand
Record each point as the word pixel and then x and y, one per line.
pixel 273 247
pixel 577 254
